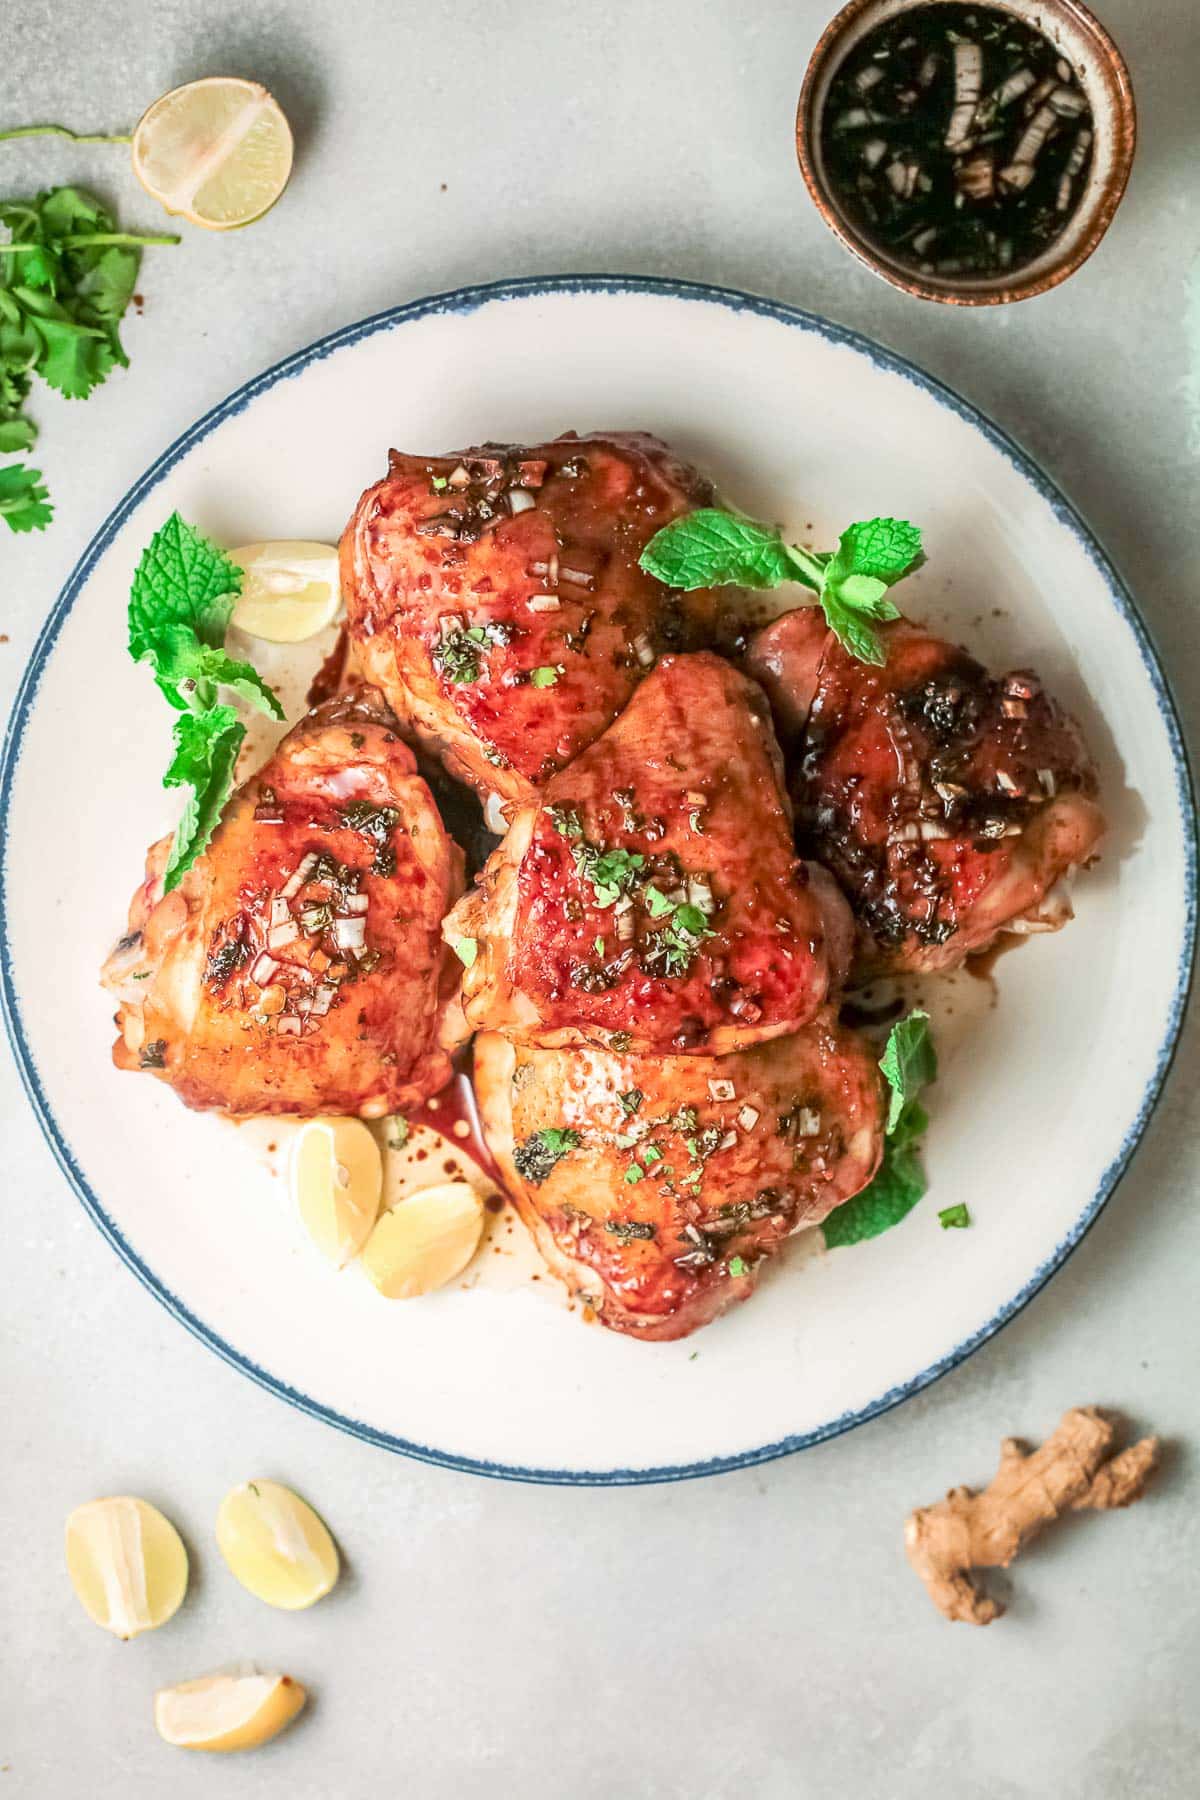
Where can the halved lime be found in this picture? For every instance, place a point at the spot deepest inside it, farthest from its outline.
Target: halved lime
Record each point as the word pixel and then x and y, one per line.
pixel 218 151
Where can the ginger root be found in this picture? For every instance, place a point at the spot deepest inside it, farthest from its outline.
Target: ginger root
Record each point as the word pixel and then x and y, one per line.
pixel 1074 1471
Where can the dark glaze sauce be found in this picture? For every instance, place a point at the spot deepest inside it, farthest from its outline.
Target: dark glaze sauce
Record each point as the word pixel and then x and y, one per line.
pixel 957 139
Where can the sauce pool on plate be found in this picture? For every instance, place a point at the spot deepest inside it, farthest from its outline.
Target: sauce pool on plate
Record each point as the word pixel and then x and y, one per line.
pixel 957 140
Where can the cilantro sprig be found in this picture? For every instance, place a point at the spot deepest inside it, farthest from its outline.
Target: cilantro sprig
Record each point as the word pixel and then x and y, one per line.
pixel 24 502
pixel 909 1064
pixel 67 275
pixel 713 548
pixel 180 605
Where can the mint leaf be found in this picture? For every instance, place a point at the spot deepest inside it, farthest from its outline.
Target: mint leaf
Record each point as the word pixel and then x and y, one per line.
pixel 884 549
pixel 711 548
pixel 909 1063
pixel 206 750
pixel 189 673
pixel 245 681
pixel 182 579
pixel 886 1200
pixel 24 502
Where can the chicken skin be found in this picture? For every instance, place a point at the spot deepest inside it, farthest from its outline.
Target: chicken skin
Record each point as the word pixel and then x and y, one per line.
pixel 655 1187
pixel 652 899
pixel 947 802
pixel 298 967
pixel 496 600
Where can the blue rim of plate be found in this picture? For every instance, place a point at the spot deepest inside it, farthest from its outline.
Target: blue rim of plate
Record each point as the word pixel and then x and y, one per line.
pixel 466 300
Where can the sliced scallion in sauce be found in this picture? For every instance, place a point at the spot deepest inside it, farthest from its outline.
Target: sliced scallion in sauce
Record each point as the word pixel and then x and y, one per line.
pixel 958 140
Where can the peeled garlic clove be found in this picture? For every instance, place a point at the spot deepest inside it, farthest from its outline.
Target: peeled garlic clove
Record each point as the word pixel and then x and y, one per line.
pixel 276 1545
pixel 337 1179
pixel 425 1241
pixel 127 1564
pixel 227 1712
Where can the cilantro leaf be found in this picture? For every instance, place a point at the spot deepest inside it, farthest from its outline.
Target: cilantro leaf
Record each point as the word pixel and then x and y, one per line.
pixel 67 275
pixel 24 502
pixel 75 358
pixel 206 750
pixel 712 548
pixel 544 677
pixel 909 1063
pixel 16 434
pixel 182 579
pixel 467 950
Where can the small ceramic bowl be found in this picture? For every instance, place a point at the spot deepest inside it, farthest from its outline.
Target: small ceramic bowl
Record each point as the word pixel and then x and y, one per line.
pixel 1102 73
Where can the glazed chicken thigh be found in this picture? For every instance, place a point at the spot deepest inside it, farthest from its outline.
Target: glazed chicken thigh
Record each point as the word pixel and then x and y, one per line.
pixel 651 900
pixel 947 802
pixel 495 597
pixel 655 1187
pixel 298 967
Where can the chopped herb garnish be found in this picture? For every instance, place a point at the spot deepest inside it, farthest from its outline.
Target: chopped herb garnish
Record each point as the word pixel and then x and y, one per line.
pixel 375 823
pixel 153 1055
pixel 619 1040
pixel 631 1101
pixel 466 949
pixel 651 1154
pixel 632 1174
pixel 629 1228
pixel 221 964
pixel 565 820
pixel 954 1218
pixel 544 677
pixel 611 872
pixel 401 1132
pixel 737 1266
pixel 537 1156
pixel 657 904
pixel 598 946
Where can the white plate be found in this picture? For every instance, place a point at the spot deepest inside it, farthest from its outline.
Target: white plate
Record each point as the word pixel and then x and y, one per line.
pixel 1043 1097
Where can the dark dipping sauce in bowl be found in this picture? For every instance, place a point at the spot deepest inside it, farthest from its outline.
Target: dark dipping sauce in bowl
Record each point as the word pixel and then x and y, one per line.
pixel 957 140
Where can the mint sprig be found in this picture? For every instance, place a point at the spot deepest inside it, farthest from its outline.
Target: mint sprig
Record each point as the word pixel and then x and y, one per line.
pixel 180 605
pixel 206 753
pixel 713 548
pixel 909 1064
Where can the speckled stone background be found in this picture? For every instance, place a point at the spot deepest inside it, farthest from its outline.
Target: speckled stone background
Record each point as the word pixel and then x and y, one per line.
pixel 758 1635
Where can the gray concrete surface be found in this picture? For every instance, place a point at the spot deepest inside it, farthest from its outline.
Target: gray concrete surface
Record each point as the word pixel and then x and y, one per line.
pixel 757 1635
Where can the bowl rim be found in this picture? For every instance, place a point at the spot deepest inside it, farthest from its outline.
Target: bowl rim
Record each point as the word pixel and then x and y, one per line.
pixel 466 300
pixel 1012 286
